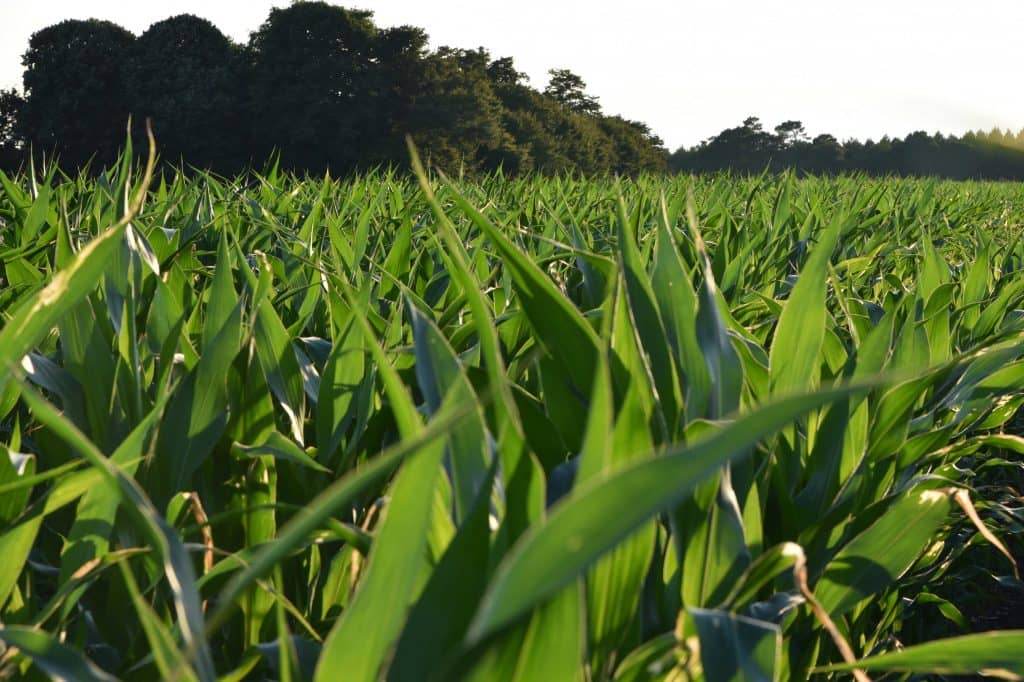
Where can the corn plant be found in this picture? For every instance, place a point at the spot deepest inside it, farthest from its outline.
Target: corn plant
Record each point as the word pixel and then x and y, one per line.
pixel 410 428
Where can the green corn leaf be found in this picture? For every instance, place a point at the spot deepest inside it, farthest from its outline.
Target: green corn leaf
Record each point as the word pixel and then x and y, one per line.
pixel 735 648
pixel 197 413
pixel 427 645
pixel 677 302
pixel 166 655
pixel 439 374
pixel 600 515
pixel 653 661
pixel 280 363
pixel 378 611
pixel 646 319
pixel 57 660
pixel 881 554
pixel 279 447
pixel 993 654
pixel 550 314
pixel 176 562
pixel 320 508
pixel 796 348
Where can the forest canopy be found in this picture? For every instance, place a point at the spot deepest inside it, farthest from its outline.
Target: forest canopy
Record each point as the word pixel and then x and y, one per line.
pixel 322 88
pixel 749 148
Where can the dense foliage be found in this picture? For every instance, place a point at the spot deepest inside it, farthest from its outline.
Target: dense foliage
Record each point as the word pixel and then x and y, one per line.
pixel 320 85
pixel 272 427
pixel 324 88
pixel 749 148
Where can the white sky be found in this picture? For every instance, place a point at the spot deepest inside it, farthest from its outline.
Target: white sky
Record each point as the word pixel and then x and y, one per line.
pixel 689 68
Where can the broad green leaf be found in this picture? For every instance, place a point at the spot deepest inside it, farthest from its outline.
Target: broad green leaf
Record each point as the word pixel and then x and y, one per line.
pixel 36 216
pixel 196 415
pixel 551 315
pixel 737 648
pixel 882 553
pixel 54 658
pixel 439 374
pixel 279 360
pixel 279 447
pixel 36 315
pixel 427 643
pixel 600 515
pixel 176 562
pixel 320 508
pixel 796 347
pixel 761 572
pixel 340 382
pixel 993 654
pixel 646 319
pixel 677 302
pixel 654 661
pixel 14 466
pixel 378 611
pixel 166 656
pixel 723 364
pixel 615 582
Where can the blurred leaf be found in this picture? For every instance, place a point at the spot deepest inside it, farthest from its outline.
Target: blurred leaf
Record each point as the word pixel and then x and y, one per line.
pixel 736 647
pixel 52 657
pixel 994 654
pixel 279 447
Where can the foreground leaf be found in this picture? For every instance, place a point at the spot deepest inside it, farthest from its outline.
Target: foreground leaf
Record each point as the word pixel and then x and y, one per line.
pixel 996 654
pixel 600 515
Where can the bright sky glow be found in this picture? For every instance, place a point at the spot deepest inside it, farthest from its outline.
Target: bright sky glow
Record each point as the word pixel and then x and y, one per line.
pixel 690 68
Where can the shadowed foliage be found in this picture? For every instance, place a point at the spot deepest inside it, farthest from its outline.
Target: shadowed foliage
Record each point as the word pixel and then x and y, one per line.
pixel 76 99
pixel 189 78
pixel 317 85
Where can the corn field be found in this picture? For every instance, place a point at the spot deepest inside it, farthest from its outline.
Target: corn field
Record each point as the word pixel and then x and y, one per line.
pixel 408 427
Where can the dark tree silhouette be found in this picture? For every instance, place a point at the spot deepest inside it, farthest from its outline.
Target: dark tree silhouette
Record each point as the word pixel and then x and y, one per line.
pixel 311 88
pixel 11 105
pixel 457 120
pixel 320 85
pixel 399 85
pixel 791 133
pixel 326 89
pixel 749 149
pixel 824 154
pixel 75 95
pixel 502 73
pixel 189 78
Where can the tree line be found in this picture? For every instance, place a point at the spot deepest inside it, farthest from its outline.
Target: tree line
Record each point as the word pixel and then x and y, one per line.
pixel 319 86
pixel 749 148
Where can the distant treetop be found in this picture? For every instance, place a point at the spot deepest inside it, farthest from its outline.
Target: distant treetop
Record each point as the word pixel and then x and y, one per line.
pixel 747 148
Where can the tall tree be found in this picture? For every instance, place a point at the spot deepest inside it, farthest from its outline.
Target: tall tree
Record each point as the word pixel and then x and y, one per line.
pixel 503 73
pixel 825 155
pixel 11 105
pixel 399 85
pixel 790 133
pixel 188 77
pixel 457 118
pixel 75 96
pixel 637 150
pixel 570 90
pixel 526 143
pixel 312 83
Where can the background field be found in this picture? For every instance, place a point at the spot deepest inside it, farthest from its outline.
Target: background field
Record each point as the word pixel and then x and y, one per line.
pixel 510 428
